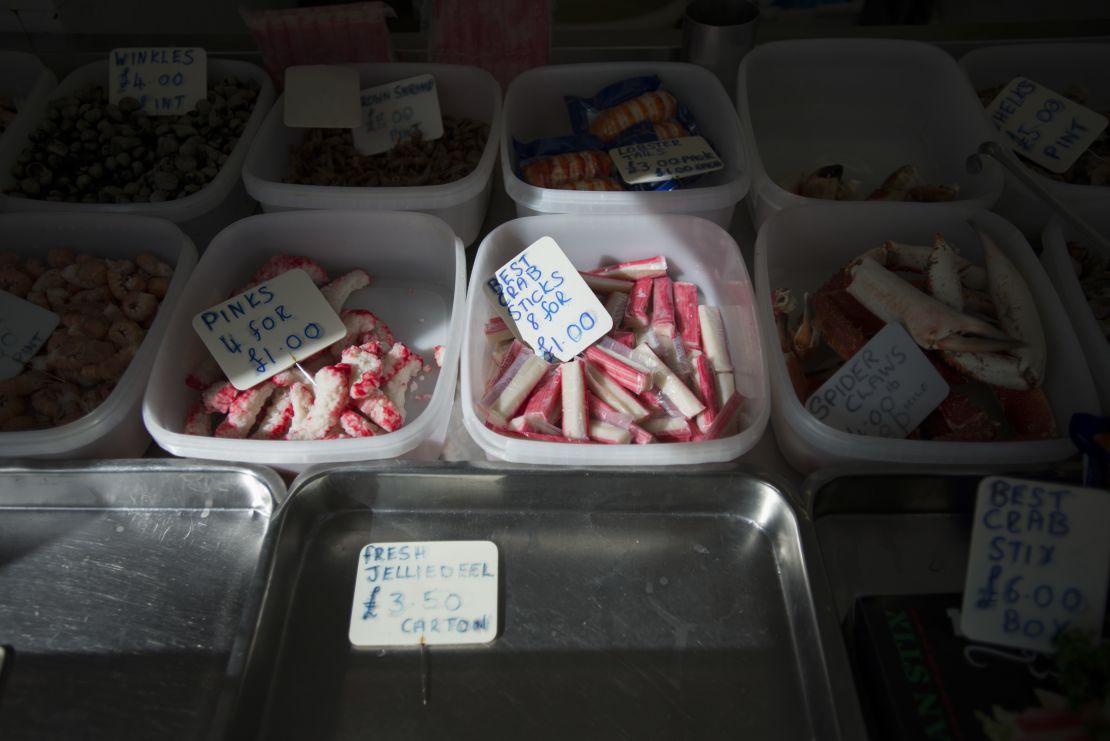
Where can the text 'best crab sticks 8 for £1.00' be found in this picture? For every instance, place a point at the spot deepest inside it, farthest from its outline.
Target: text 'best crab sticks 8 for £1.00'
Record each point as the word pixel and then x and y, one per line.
pixel 661 374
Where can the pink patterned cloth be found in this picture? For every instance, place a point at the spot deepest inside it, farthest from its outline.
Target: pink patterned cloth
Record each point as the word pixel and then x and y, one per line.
pixel 503 37
pixel 328 34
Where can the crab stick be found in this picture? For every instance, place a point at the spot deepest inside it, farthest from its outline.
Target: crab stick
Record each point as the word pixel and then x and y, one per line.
pixel 611 392
pixel 669 383
pixel 605 284
pixel 623 338
pixel 669 429
pixel 603 432
pixel 603 412
pixel 507 361
pixel 624 370
pixel 706 381
pixel 686 313
pixel 516 391
pixel 545 403
pixel 575 421
pixel 636 315
pixel 713 338
pixel 497 331
pixel 652 267
pixel 662 307
pixel 726 418
pixel 617 304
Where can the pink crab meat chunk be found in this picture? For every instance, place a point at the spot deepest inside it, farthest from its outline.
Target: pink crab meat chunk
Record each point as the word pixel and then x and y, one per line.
pixel 382 411
pixel 366 370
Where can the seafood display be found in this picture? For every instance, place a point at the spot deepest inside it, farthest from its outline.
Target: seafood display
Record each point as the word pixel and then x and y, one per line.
pixel 630 111
pixel 106 307
pixel 88 150
pixel 904 184
pixel 8 111
pixel 978 325
pixel 1093 166
pixel 1093 272
pixel 662 374
pixel 356 387
pixel 329 157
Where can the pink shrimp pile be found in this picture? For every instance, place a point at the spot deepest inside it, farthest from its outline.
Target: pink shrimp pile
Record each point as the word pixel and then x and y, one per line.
pixel 356 387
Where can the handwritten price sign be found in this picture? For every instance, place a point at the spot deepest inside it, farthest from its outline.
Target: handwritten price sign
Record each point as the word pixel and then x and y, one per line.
pixel 1038 562
pixel 167 81
pixel 431 592
pixel 544 296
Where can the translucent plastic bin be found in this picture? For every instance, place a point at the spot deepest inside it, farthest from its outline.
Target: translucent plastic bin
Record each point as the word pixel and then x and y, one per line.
pixel 534 109
pixel 1056 263
pixel 115 428
pixel 802 249
pixel 466 92
pixel 200 215
pixel 871 105
pixel 697 251
pixel 417 269
pixel 1059 66
pixel 24 79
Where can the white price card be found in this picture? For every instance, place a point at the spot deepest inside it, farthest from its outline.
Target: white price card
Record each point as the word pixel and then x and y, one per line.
pixel 268 328
pixel 166 80
pixel 553 309
pixel 394 112
pixel 886 389
pixel 1043 125
pixel 24 329
pixel 652 162
pixel 431 592
pixel 322 96
pixel 1038 562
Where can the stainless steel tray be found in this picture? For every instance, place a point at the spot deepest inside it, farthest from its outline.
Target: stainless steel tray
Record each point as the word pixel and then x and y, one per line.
pixel 635 604
pixel 125 595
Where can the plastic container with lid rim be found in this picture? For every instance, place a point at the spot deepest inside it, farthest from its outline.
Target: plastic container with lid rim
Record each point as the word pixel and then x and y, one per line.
pixel 871 105
pixel 199 215
pixel 1057 66
pixel 1058 265
pixel 115 428
pixel 466 92
pixel 534 108
pixel 28 82
pixel 802 249
pixel 697 251
pixel 417 268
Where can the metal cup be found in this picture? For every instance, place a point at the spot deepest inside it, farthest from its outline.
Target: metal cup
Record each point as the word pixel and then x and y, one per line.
pixel 716 34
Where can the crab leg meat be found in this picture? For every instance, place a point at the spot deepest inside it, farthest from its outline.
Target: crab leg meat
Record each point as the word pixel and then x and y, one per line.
pixel 1017 310
pixel 603 284
pixel 652 267
pixel 933 325
pixel 686 313
pixel 942 277
pixel 915 258
pixel 575 417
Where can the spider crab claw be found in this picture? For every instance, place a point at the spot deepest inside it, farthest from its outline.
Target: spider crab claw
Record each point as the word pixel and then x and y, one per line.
pixel 932 324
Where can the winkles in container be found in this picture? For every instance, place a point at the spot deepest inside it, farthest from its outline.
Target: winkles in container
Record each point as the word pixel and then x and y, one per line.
pixel 464 93
pixel 536 109
pixel 413 289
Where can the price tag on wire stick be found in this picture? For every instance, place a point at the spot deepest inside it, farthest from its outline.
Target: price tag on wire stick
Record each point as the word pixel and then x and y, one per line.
pixel 1043 125
pixel 321 96
pixel 166 80
pixel 24 329
pixel 396 111
pixel 1038 563
pixel 554 310
pixel 268 328
pixel 652 162
pixel 886 389
pixel 430 592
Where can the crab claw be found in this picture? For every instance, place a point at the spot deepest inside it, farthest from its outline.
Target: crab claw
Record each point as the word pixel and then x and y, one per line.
pixel 807 336
pixel 932 324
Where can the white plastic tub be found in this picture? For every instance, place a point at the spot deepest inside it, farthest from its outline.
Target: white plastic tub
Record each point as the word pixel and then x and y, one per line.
pixel 466 92
pixel 697 251
pixel 1056 263
pixel 1057 66
pixel 417 267
pixel 534 109
pixel 24 79
pixel 802 249
pixel 199 215
pixel 115 428
pixel 871 105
